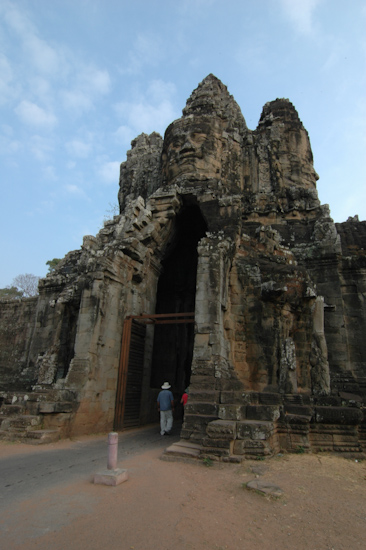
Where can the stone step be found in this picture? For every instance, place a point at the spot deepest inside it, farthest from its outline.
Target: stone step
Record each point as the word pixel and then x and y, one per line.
pixel 53 395
pixel 215 450
pixel 31 437
pixel 38 407
pixel 6 435
pixel 50 395
pixel 11 410
pixel 41 437
pixel 218 449
pixel 183 449
pixel 47 407
pixel 25 421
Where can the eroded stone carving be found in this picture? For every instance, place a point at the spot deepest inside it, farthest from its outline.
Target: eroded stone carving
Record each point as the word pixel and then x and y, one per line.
pixel 223 222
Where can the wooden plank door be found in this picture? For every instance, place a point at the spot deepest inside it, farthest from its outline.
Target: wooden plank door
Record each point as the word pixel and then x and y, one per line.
pixel 129 387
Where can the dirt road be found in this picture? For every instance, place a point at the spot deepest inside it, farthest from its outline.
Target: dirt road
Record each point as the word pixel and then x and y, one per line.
pixel 186 506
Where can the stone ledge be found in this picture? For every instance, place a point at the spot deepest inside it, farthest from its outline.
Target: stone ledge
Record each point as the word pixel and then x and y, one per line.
pixel 39 437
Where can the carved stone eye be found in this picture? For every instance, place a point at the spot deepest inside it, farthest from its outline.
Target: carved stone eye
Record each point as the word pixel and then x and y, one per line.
pixel 176 143
pixel 197 138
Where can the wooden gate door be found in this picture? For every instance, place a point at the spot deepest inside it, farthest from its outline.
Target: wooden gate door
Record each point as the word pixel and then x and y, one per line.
pixel 128 401
pixel 129 385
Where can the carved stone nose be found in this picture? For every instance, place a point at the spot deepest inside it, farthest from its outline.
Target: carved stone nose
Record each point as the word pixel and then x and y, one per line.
pixel 187 146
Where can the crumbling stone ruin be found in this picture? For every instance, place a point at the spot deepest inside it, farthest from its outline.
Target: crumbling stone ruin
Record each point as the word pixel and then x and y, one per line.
pixel 224 273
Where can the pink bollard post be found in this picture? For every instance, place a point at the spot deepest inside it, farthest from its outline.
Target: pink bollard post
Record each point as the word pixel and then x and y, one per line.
pixel 112 450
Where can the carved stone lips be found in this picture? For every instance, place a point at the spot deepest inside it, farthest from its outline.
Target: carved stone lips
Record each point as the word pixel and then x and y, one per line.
pixel 189 154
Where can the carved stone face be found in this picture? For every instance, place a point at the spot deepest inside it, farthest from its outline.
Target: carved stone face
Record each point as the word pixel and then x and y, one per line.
pixel 193 148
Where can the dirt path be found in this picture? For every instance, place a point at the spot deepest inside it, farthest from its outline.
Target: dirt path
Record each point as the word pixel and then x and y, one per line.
pixel 186 506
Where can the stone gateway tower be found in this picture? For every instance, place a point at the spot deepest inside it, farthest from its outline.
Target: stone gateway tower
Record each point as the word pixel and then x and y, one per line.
pixel 224 273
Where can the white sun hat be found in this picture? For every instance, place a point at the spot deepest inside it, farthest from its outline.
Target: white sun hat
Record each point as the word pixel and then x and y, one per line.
pixel 165 386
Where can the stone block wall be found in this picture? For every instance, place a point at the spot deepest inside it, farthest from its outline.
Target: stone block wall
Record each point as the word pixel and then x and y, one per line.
pixel 16 331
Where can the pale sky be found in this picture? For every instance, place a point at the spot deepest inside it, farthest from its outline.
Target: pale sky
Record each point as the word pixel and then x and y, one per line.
pixel 79 79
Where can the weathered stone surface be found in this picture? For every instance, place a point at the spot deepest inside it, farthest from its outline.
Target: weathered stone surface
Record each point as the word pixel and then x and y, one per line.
pixel 262 412
pixel 16 329
pixel 224 223
pixel 265 487
pixel 222 429
pixel 111 477
pixel 255 430
pixel 337 415
pixel 140 175
pixel 216 443
pixel 208 409
pixel 249 447
pixel 232 412
pixel 295 409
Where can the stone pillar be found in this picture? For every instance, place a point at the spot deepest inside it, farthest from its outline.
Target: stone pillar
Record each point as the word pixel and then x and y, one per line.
pixel 210 364
pixel 320 377
pixel 211 348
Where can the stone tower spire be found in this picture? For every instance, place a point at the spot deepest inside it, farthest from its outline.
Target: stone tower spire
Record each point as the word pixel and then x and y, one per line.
pixel 211 97
pixel 205 144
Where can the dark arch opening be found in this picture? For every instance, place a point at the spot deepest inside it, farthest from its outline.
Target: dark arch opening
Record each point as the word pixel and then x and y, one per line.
pixel 176 293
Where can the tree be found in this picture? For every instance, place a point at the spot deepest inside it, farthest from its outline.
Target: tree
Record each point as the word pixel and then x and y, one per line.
pixel 112 211
pixel 52 264
pixel 10 293
pixel 27 284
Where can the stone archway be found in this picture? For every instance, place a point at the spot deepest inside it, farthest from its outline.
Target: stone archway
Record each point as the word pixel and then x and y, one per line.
pixel 169 352
pixel 176 293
